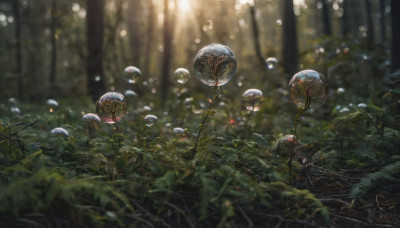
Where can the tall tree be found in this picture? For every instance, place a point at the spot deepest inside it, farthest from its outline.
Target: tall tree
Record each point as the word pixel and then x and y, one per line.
pixel 168 31
pixel 370 24
pixel 382 20
pixel 395 14
pixel 53 37
pixel 326 18
pixel 256 39
pixel 290 59
pixel 95 37
pixel 135 10
pixel 345 22
pixel 149 36
pixel 18 56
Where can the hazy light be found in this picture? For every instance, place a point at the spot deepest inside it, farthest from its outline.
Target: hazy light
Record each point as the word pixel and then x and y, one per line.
pixel 184 5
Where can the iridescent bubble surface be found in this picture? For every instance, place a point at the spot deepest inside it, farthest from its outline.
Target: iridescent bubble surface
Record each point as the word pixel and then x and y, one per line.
pixel 181 75
pixel 215 65
pixel 111 107
pixel 59 131
pixel 253 99
pixel 52 104
pixel 271 63
pixel 308 89
pixel 91 118
pixel 150 120
pixel 132 74
pixel 130 93
pixel 287 145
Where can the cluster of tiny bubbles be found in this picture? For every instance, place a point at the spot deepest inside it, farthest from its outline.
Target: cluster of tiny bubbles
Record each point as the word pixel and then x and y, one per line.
pixel 253 99
pixel 340 91
pixel 182 75
pixel 308 89
pixel 15 110
pixel 52 104
pixel 215 65
pixel 271 63
pixel 59 131
pixel 130 93
pixel 111 107
pixel 287 144
pixel 132 74
pixel 362 105
pixel 91 118
pixel 97 78
pixel 150 120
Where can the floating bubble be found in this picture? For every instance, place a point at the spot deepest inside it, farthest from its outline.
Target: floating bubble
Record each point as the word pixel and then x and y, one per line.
pixel 362 106
pixel 215 65
pixel 130 93
pixel 340 91
pixel 12 101
pixel 59 131
pixel 253 99
pixel 111 107
pixel 182 75
pixel 132 74
pixel 344 110
pixel 308 89
pixel 150 120
pixel 146 108
pixel 97 78
pixel 91 118
pixel 271 63
pixel 178 131
pixel 15 110
pixel 52 104
pixel 287 145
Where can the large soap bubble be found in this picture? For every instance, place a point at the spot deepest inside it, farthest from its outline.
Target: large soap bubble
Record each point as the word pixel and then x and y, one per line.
pixel 132 74
pixel 181 75
pixel 253 99
pixel 308 89
pixel 111 107
pixel 215 65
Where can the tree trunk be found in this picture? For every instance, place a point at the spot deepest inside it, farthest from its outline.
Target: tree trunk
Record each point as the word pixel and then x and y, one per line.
pixel 53 60
pixel 289 48
pixel 382 20
pixel 135 43
pixel 256 39
pixel 95 37
pixel 149 43
pixel 168 32
pixel 370 24
pixel 345 18
pixel 326 18
pixel 18 56
pixel 395 12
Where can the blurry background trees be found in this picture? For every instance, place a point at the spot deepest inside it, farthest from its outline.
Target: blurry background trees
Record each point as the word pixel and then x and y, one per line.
pixel 73 48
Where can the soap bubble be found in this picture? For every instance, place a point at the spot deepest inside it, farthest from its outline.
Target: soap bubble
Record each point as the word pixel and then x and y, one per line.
pixel 287 145
pixel 59 131
pixel 178 131
pixel 150 120
pixel 308 89
pixel 52 104
pixel 215 65
pixel 344 110
pixel 130 93
pixel 15 110
pixel 182 75
pixel 146 108
pixel 97 78
pixel 91 118
pixel 111 107
pixel 252 99
pixel 362 106
pixel 340 91
pixel 12 101
pixel 271 63
pixel 132 74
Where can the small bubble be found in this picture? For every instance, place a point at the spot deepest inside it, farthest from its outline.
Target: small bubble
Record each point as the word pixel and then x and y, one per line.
pixel 52 105
pixel 279 22
pixel 362 105
pixel 271 63
pixel 182 75
pixel 59 131
pixel 150 120
pixel 287 145
pixel 146 108
pixel 15 110
pixel 178 131
pixel 340 91
pixel 132 74
pixel 91 118
pixel 12 101
pixel 252 99
pixel 97 78
pixel 111 107
pixel 130 93
pixel 344 110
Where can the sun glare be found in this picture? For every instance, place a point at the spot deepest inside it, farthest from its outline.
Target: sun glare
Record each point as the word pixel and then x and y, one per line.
pixel 184 5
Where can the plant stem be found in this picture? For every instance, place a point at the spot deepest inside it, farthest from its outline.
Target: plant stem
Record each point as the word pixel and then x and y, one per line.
pixel 205 119
pixel 119 138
